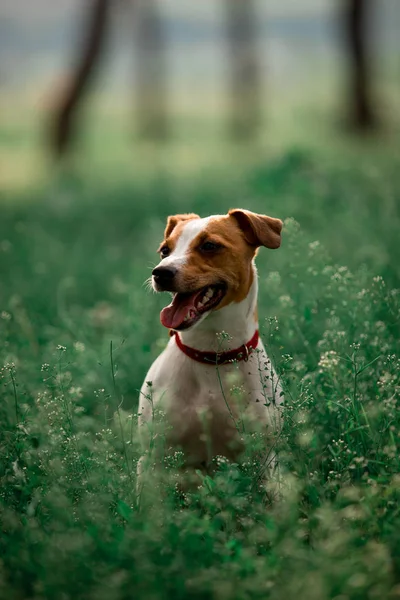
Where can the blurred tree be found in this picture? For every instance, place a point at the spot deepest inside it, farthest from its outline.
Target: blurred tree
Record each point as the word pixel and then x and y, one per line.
pixel 93 34
pixel 357 37
pixel 151 70
pixel 246 109
pixel 151 88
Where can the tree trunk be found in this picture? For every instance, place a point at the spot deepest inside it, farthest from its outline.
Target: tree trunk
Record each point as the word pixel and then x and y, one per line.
pixel 362 111
pixel 93 34
pixel 151 85
pixel 245 88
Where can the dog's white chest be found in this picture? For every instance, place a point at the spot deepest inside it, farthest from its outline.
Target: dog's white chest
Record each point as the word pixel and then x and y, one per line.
pixel 204 410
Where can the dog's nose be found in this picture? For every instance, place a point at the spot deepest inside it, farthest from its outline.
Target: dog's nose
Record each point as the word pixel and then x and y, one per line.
pixel 164 275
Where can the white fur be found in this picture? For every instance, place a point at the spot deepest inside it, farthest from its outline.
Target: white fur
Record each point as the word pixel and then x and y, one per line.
pixel 190 230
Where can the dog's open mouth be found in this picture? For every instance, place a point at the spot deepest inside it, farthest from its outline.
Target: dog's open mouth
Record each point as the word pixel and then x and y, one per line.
pixel 187 308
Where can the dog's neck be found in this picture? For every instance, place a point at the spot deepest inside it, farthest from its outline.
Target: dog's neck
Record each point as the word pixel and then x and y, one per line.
pixel 238 320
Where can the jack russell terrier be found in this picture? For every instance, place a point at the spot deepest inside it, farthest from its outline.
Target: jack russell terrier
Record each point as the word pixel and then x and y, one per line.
pixel 208 266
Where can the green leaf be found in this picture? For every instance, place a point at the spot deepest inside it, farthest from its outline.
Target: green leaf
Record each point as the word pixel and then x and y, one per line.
pixel 124 510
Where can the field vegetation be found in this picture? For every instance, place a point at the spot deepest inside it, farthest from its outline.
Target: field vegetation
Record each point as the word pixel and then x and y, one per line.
pixel 78 331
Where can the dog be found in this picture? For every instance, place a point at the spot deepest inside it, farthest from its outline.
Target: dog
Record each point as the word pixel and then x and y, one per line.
pixel 214 349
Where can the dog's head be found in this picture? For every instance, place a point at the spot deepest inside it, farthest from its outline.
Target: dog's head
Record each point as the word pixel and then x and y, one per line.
pixel 206 263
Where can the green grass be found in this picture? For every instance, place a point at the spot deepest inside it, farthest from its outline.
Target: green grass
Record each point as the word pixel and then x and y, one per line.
pixel 74 257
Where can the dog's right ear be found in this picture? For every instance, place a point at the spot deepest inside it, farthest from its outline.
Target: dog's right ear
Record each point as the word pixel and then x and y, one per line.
pixel 173 221
pixel 258 230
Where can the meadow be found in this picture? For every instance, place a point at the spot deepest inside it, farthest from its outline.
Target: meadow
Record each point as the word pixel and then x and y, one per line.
pixel 78 331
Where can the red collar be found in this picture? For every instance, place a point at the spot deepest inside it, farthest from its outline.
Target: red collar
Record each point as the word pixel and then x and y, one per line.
pixel 218 358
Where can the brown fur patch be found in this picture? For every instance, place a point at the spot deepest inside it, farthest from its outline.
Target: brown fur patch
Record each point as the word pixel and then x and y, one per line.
pixel 231 264
pixel 178 219
pixel 174 227
pixel 259 230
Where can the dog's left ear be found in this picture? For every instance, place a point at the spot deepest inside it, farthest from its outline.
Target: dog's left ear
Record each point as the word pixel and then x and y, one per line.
pixel 175 219
pixel 258 230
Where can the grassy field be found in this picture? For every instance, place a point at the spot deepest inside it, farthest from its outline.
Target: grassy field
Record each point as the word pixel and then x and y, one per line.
pixel 74 254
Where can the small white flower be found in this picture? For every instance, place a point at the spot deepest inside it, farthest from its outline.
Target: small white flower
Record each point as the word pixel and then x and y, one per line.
pixel 5 246
pixel 286 301
pixel 314 245
pixel 328 360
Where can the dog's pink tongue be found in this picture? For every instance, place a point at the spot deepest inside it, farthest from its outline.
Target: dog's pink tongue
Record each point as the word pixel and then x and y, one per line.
pixel 172 316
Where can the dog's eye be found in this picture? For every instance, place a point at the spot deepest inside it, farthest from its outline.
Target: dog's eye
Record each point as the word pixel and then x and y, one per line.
pixel 164 251
pixel 209 247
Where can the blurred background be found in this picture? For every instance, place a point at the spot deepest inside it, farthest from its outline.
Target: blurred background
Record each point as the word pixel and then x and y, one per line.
pixel 102 81
pixel 116 113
